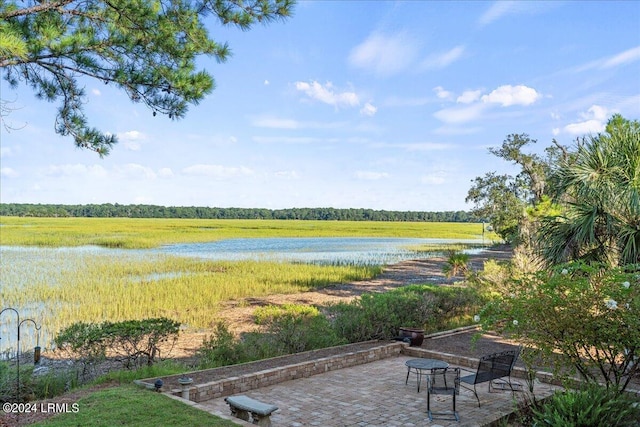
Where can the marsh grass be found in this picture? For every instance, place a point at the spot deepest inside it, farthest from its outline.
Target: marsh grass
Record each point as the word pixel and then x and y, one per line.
pixel 130 233
pixel 447 247
pixel 61 287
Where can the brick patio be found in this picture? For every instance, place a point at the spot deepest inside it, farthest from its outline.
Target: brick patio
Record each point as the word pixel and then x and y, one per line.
pixel 372 394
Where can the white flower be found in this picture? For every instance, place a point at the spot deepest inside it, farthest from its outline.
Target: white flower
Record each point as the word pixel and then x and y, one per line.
pixel 564 271
pixel 476 318
pixel 626 285
pixel 611 303
pixel 515 322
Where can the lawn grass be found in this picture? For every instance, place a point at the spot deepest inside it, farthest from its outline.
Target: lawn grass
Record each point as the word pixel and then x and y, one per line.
pixel 131 233
pixel 128 405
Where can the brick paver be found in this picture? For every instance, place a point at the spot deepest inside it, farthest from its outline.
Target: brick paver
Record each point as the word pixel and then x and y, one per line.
pixel 373 394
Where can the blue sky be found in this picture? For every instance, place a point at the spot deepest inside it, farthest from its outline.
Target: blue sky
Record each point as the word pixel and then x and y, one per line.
pixel 382 105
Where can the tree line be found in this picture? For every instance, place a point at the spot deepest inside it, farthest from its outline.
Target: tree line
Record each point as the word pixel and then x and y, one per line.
pixel 109 210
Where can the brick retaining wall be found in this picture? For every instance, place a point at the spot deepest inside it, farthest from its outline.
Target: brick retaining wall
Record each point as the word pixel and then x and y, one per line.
pixel 240 384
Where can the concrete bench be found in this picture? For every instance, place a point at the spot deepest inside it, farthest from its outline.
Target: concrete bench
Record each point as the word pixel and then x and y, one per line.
pixel 241 406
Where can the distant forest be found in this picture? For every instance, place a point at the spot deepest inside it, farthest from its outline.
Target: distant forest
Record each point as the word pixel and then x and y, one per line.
pixel 109 210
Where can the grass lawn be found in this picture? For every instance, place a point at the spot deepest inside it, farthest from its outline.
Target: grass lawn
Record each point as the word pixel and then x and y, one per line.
pixel 129 405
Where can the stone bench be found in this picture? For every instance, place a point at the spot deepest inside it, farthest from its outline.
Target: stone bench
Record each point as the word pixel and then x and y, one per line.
pixel 241 406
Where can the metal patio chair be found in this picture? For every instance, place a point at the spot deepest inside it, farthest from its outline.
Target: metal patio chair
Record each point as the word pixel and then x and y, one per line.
pixel 448 383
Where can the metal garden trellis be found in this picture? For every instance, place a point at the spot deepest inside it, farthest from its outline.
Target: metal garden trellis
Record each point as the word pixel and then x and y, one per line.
pixel 37 349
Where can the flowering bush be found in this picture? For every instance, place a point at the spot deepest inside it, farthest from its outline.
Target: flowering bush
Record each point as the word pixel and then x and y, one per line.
pixel 589 315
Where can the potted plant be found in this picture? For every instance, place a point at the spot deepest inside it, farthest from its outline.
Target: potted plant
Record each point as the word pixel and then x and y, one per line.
pixel 415 335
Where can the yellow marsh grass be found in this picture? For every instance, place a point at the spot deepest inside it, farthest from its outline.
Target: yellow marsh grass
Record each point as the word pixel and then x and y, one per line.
pixel 147 233
pixel 64 289
pixel 94 288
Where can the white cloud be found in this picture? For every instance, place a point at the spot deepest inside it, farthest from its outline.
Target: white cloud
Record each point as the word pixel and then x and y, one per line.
pixel 497 11
pixel 442 60
pixel 594 121
pixel 469 96
pixel 132 135
pixel 325 93
pixel 136 171
pixel 131 139
pixel 622 58
pixel 384 54
pixel 441 93
pixel 8 173
pixel 371 176
pixel 96 92
pixel 619 59
pixel 368 110
pixel 216 171
pixel 266 83
pixel 508 95
pixel 502 8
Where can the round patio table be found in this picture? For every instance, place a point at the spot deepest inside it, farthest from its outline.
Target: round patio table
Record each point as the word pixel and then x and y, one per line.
pixel 420 365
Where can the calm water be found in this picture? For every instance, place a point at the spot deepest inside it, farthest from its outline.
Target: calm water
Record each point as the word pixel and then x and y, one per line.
pixel 325 250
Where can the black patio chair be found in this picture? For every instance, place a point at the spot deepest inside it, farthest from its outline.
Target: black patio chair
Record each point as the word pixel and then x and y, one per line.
pixel 492 367
pixel 448 383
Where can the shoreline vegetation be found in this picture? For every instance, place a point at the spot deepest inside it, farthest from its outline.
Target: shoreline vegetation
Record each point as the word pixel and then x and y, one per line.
pixel 93 288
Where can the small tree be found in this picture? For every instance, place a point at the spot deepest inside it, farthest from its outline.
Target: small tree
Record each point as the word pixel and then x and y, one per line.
pixel 457 263
pixel 586 316
pixel 131 342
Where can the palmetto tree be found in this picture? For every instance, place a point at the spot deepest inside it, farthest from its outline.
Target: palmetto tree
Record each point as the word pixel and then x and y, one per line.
pixel 598 186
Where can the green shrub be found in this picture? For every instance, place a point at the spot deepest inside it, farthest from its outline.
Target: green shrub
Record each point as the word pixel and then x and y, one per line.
pixel 593 406
pixel 380 315
pixel 294 333
pixel 581 318
pixel 457 263
pixel 288 329
pixel 221 348
pixel 131 342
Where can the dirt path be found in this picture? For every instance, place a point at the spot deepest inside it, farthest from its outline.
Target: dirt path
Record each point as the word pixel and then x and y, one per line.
pixel 239 314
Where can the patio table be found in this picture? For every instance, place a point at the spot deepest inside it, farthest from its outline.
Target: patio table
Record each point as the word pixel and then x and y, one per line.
pixel 420 365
